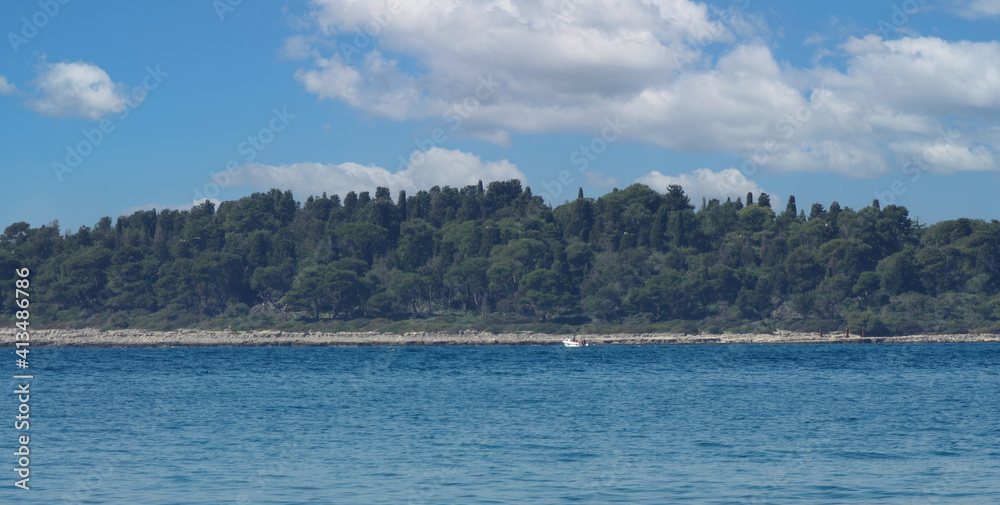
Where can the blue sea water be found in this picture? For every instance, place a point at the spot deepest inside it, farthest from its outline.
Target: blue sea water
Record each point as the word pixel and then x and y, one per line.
pixel 783 424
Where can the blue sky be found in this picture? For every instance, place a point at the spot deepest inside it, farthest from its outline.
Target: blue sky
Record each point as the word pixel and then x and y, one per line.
pixel 825 101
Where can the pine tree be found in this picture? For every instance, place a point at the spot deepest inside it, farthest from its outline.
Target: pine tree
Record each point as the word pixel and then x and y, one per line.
pixel 817 210
pixel 676 200
pixel 764 200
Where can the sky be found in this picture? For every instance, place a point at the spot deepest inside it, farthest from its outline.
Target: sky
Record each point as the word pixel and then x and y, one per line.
pixel 111 107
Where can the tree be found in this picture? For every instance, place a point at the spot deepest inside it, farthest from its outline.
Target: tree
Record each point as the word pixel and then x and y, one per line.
pixel 866 290
pixel 682 227
pixel 401 205
pixel 345 289
pixel 755 218
pixel 898 273
pixel 817 211
pixel 834 212
pixel 500 194
pixel 16 234
pixel 763 200
pixel 675 200
pixel 577 218
pixel 350 203
pixel 543 291
pixel 790 210
pixel 408 289
pixel 309 292
pixel 363 240
pixel 416 244
pixel 470 282
pixel 631 257
pixel 802 270
pixel 271 283
pixel 79 279
pixel 663 296
pixel 849 257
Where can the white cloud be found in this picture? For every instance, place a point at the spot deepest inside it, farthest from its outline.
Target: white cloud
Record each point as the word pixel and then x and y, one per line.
pixel 945 156
pixel 600 180
pixel 554 54
pixel 497 137
pixel 644 61
pixel 6 87
pixel 814 39
pixel 434 167
pixel 298 47
pixel 866 44
pixel 78 89
pixel 925 75
pixel 377 86
pixel 704 183
pixel 979 9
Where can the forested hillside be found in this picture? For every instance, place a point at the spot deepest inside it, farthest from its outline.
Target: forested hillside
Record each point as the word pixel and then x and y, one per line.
pixel 500 258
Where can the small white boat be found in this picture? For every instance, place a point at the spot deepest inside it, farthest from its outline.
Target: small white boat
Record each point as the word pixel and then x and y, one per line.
pixel 573 342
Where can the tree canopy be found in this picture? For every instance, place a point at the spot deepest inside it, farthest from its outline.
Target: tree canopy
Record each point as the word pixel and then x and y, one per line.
pixel 500 257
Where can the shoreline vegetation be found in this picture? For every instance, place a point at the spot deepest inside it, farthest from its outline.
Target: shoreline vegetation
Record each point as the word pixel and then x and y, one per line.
pixel 499 259
pixel 266 338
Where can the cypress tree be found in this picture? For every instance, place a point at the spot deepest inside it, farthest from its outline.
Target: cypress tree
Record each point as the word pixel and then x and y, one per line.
pixel 790 209
pixel 401 205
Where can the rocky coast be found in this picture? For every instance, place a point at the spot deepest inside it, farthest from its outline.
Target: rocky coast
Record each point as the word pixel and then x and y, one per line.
pixel 262 338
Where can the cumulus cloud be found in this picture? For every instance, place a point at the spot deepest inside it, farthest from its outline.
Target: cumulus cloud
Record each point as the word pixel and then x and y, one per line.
pixel 548 55
pixel 563 67
pixel 78 89
pixel 704 183
pixel 979 9
pixel 377 86
pixel 6 87
pixel 947 156
pixel 925 75
pixel 434 167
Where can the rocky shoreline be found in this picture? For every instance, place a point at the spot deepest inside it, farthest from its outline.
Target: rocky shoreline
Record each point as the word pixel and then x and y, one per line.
pixel 271 338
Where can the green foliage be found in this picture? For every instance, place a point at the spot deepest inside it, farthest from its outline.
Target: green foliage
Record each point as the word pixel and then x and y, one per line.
pixel 499 258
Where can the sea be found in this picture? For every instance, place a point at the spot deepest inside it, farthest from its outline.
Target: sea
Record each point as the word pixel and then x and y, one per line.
pixel 709 424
